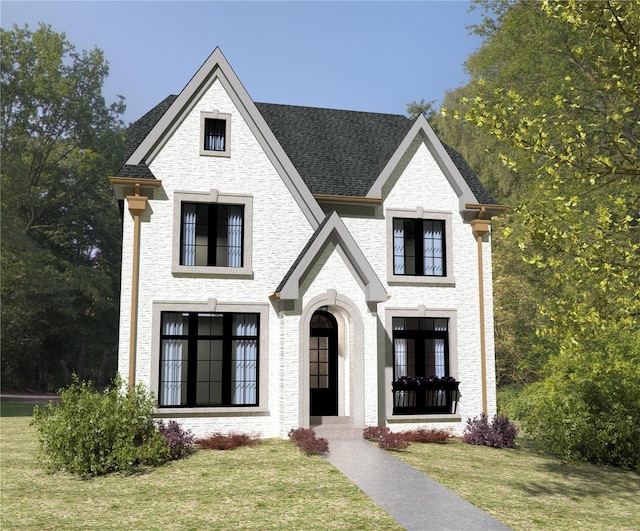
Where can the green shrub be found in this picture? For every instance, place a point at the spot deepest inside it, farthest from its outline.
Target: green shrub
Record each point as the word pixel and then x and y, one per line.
pixel 588 409
pixel 92 433
pixel 508 398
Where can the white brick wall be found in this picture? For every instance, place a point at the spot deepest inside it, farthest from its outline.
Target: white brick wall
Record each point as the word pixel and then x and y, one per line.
pixel 422 184
pixel 280 231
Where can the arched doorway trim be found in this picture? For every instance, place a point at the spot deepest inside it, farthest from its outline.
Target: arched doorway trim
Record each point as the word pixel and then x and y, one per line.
pixel 351 345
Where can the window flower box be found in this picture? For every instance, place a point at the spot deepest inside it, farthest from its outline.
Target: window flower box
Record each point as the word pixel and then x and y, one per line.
pixel 429 394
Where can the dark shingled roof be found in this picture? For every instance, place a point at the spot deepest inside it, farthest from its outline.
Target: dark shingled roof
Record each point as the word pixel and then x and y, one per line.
pixel 470 177
pixel 335 152
pixel 136 133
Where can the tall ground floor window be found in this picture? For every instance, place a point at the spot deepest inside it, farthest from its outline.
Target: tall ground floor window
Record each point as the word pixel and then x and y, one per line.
pixel 209 359
pixel 422 382
pixel 420 347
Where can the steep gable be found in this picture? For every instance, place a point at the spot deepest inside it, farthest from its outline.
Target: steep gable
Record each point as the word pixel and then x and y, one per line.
pixel 332 227
pixel 136 133
pixel 336 152
pixel 461 178
pixel 343 153
pixel 167 120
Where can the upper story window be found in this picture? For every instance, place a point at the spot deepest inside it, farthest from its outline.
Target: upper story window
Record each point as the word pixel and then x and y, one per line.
pixel 212 233
pixel 419 247
pixel 214 133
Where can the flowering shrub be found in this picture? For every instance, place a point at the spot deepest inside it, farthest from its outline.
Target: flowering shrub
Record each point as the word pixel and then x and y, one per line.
pixel 308 442
pixel 231 441
pixel 372 433
pixel 385 438
pixel 389 440
pixel 499 433
pixel 426 436
pixel 180 441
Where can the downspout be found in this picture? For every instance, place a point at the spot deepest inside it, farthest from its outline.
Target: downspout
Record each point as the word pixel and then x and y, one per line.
pixel 480 227
pixel 137 205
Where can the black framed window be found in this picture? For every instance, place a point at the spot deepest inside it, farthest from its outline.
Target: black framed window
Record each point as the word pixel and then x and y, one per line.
pixel 214 134
pixel 420 347
pixel 212 234
pixel 419 247
pixel 209 359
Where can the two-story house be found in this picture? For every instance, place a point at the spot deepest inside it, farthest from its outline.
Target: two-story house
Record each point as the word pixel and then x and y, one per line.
pixel 286 264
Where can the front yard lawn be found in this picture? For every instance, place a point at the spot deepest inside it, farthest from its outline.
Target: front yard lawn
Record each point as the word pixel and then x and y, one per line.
pixel 275 486
pixel 529 491
pixel 270 486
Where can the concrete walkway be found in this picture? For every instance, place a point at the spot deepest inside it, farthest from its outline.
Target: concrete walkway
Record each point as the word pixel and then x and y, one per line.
pixel 414 500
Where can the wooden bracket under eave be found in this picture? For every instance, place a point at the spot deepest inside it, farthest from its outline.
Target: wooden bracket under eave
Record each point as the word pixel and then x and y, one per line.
pixel 128 186
pixel 137 204
pixel 480 227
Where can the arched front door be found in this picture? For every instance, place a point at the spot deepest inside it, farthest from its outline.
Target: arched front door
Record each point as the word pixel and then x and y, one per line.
pixel 323 364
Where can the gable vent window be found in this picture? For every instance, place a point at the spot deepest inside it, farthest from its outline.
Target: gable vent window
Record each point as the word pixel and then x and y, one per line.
pixel 214 134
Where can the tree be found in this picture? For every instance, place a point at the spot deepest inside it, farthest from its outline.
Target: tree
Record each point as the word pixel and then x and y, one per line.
pixel 581 134
pixel 60 223
pixel 564 109
pixel 516 38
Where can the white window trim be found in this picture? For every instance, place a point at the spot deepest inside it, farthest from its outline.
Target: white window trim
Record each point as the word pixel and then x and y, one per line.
pixel 213 306
pixel 419 213
pixel 215 115
pixel 420 311
pixel 212 196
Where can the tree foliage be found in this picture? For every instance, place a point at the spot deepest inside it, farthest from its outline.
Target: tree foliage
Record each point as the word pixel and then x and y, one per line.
pixel 587 409
pixel 581 135
pixel 552 111
pixel 60 223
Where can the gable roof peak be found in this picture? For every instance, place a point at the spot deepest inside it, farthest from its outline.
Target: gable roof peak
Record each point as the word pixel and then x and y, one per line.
pixel 332 225
pixel 460 176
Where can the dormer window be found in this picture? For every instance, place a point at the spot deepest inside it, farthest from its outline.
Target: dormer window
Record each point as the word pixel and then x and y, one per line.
pixel 214 133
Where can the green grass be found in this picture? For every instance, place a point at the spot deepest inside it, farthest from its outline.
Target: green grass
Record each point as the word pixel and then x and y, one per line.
pixel 527 491
pixel 270 486
pixel 274 486
pixel 10 408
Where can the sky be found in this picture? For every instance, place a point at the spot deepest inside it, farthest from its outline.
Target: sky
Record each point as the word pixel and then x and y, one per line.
pixel 364 56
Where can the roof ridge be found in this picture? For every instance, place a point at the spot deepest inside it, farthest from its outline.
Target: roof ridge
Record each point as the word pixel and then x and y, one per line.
pixel 332 109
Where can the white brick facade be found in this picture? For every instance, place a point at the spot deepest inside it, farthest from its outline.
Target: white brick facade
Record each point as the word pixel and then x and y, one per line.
pixel 280 229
